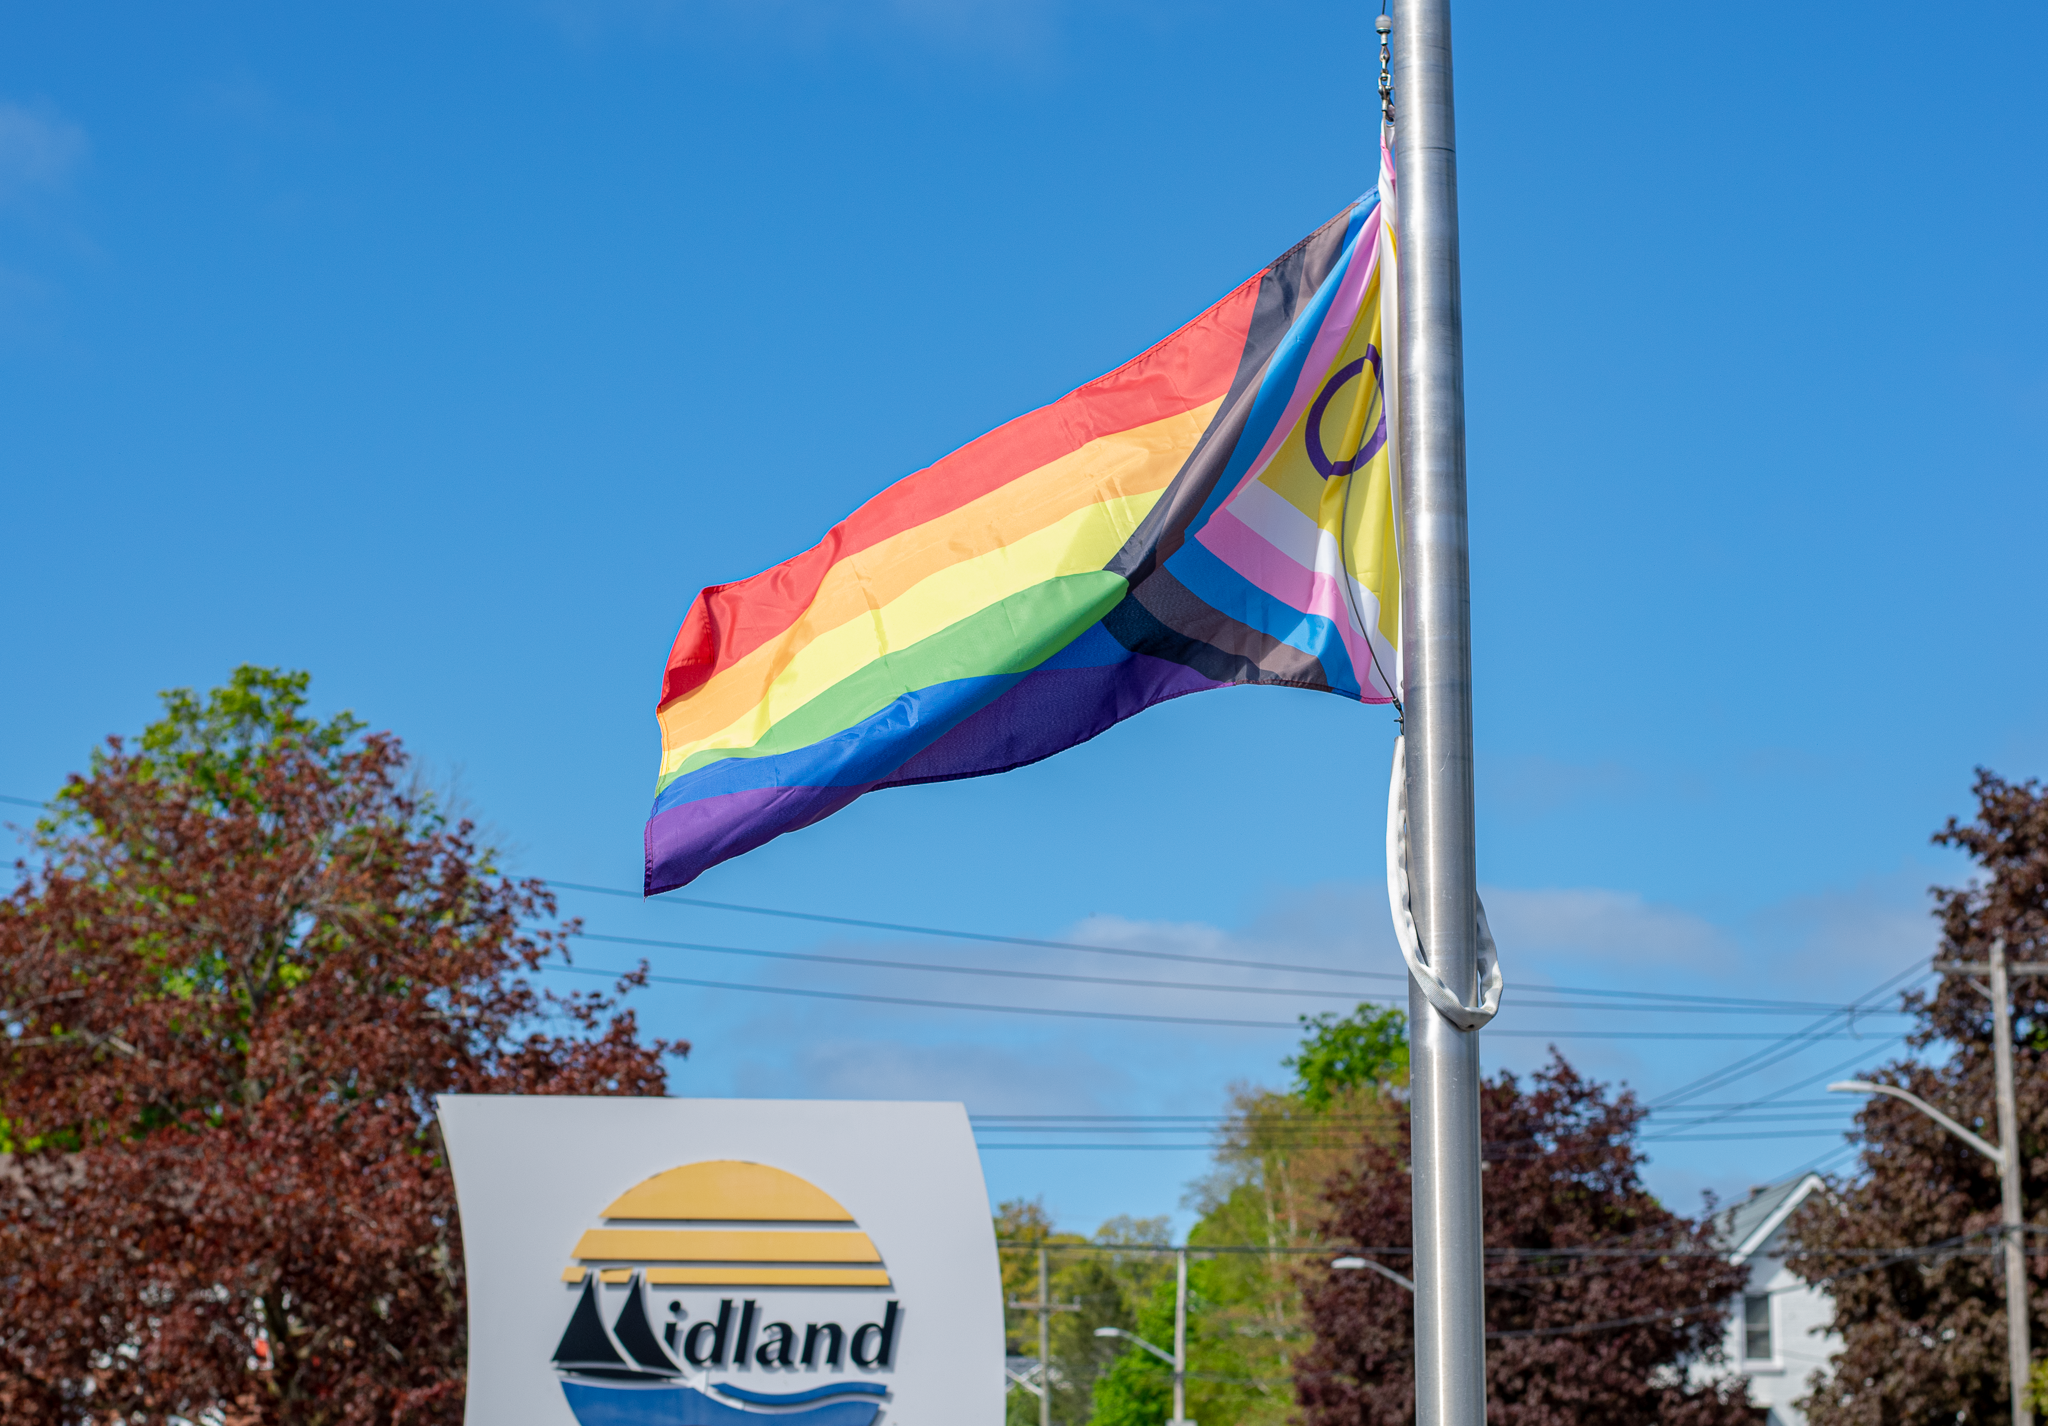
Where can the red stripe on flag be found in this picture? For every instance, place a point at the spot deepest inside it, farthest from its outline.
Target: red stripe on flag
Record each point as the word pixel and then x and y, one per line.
pixel 1190 368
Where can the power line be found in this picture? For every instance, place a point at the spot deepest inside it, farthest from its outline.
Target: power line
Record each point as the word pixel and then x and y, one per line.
pixel 1132 1148
pixel 1948 1248
pixel 937 1004
pixel 1728 1003
pixel 1785 1048
pixel 673 899
pixel 1342 1143
pixel 1343 1118
pixel 992 971
pixel 1829 1073
pixel 1740 1138
pixel 1666 1001
pixel 1624 1248
pixel 1146 1118
pixel 1663 1001
pixel 1048 1011
pixel 1003 973
pixel 1815 1164
pixel 1275 1133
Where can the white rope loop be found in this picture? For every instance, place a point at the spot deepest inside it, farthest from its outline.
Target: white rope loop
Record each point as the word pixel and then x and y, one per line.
pixel 1449 1003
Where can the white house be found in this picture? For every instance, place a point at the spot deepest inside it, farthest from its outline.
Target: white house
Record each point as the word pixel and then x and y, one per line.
pixel 1780 1333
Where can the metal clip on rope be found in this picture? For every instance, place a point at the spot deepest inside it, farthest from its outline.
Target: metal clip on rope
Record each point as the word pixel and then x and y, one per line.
pixel 1384 24
pixel 1448 1002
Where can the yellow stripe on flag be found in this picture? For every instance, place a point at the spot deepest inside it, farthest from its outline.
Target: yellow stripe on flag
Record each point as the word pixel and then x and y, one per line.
pixel 1138 462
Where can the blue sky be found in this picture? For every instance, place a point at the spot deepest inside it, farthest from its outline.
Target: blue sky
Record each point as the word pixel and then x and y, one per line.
pixel 447 350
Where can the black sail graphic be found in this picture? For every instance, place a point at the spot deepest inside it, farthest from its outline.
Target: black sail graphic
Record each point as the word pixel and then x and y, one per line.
pixel 636 1333
pixel 584 1346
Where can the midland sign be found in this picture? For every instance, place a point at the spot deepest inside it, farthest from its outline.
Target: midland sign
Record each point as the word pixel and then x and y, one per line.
pixel 723 1262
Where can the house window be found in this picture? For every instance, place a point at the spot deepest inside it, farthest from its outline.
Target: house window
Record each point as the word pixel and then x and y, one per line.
pixel 1756 1327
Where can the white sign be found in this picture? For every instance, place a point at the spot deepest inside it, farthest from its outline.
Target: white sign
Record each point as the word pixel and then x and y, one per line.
pixel 725 1262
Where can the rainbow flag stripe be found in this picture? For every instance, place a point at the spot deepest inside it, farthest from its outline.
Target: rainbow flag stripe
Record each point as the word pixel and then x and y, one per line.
pixel 1219 510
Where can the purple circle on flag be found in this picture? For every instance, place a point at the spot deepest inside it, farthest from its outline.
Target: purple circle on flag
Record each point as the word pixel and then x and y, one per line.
pixel 1320 458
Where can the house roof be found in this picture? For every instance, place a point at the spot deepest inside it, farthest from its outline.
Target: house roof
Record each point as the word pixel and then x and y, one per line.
pixel 1744 1227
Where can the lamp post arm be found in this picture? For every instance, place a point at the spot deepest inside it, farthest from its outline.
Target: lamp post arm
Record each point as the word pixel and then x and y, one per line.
pixel 1384 1271
pixel 1863 1086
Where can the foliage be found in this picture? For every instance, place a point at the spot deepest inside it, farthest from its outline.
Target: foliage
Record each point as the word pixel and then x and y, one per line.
pixel 1276 1153
pixel 1367 1047
pixel 243 964
pixel 1924 1339
pixel 1562 1172
pixel 1104 1284
pixel 1137 1389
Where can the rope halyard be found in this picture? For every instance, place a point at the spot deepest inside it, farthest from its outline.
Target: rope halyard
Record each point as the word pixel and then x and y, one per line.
pixel 1384 24
pixel 1449 1003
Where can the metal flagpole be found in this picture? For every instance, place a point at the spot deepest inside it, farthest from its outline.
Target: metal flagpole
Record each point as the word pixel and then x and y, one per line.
pixel 1450 1325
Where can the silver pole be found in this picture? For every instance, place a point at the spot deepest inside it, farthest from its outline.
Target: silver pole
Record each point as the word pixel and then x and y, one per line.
pixel 2018 1349
pixel 1180 1337
pixel 1450 1309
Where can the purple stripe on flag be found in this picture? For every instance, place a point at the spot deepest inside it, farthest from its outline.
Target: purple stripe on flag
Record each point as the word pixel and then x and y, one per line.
pixel 1050 710
pixel 685 841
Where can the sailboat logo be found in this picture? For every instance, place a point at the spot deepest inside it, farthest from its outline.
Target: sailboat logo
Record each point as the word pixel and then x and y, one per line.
pixel 690 1237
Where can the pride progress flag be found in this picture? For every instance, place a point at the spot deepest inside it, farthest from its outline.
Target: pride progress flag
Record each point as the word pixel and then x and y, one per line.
pixel 1219 510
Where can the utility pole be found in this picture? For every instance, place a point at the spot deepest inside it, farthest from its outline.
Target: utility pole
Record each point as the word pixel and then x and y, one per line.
pixel 2019 1350
pixel 1179 1358
pixel 1044 1343
pixel 1997 987
pixel 1180 1340
pixel 1044 1307
pixel 1436 653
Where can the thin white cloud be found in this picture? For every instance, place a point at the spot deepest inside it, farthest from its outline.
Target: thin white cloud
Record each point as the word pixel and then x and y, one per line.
pixel 1595 925
pixel 1180 937
pixel 39 151
pixel 989 1079
pixel 1852 938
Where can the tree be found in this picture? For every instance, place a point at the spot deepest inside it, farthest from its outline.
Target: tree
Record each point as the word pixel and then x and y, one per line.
pixel 1367 1049
pixel 245 959
pixel 1105 1285
pixel 1137 1389
pixel 1923 1337
pixel 1277 1152
pixel 1589 1341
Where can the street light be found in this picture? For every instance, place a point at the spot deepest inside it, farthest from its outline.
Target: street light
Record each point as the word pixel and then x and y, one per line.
pixel 2018 1346
pixel 1159 1352
pixel 1352 1264
pixel 1178 1357
pixel 1997 987
pixel 1863 1086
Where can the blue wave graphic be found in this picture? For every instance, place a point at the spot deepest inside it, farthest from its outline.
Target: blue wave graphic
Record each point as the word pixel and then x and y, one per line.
pixel 602 1405
pixel 791 1398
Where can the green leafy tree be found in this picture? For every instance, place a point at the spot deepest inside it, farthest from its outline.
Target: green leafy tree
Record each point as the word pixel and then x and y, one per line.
pixel 1367 1049
pixel 1277 1152
pixel 1137 1390
pixel 1104 1277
